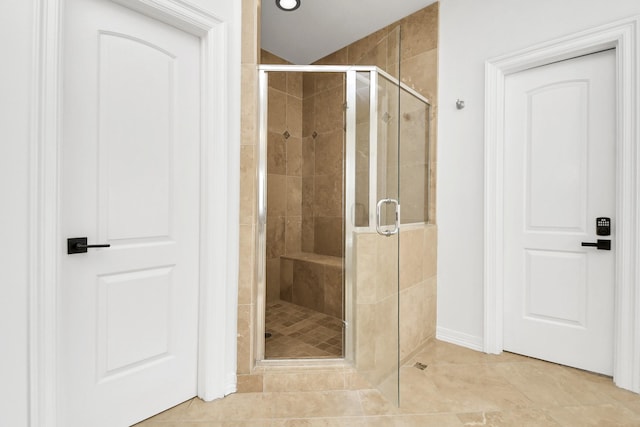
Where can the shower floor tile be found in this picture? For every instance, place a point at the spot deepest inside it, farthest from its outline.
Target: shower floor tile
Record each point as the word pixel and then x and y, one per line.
pixel 299 332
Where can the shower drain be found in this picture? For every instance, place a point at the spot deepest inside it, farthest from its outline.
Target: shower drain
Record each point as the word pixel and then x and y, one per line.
pixel 420 366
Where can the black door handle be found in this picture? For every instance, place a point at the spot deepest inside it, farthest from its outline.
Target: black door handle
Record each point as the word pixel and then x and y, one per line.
pixel 601 244
pixel 78 245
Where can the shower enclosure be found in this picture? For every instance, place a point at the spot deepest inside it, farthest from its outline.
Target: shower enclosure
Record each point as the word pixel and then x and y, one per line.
pixel 342 148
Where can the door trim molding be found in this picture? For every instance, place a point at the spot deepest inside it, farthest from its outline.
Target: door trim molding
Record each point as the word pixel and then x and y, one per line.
pixel 624 36
pixel 220 169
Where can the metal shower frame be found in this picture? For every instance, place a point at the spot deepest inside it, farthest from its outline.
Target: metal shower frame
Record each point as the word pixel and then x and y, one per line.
pixel 351 74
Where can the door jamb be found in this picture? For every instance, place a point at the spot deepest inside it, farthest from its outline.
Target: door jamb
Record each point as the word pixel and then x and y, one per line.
pixel 624 36
pixel 219 178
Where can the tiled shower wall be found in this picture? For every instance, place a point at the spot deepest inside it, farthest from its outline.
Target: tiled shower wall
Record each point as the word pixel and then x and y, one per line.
pixel 323 164
pixel 418 67
pixel 378 310
pixel 304 183
pixel 247 281
pixel 419 70
pixel 284 171
pixel 318 158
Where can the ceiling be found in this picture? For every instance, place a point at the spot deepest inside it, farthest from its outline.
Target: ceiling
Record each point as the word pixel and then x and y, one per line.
pixel 320 27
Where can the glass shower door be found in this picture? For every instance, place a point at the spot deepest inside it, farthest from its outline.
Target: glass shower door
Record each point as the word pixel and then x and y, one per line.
pixel 375 231
pixel 387 235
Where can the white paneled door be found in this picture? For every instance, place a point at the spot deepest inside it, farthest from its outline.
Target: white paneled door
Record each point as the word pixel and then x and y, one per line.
pixel 130 178
pixel 559 177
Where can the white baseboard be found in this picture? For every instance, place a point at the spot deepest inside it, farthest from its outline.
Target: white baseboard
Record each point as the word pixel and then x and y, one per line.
pixel 460 338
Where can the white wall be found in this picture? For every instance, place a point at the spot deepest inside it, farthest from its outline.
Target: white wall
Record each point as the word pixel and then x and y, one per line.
pixel 16 17
pixel 471 32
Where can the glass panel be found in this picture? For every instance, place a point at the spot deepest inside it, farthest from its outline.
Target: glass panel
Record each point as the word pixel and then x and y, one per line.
pixel 361 210
pixel 388 246
pixel 417 235
pixel 414 158
pixel 414 192
pixel 304 308
pixel 376 256
pixel 387 185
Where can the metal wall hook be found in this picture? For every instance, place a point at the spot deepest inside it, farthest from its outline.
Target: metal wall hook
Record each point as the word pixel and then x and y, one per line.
pixel 459 104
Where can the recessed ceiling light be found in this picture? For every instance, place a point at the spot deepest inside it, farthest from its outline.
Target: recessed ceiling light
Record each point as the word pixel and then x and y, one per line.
pixel 288 5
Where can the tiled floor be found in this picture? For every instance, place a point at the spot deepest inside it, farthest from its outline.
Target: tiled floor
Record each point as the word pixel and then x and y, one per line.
pixel 299 332
pixel 458 388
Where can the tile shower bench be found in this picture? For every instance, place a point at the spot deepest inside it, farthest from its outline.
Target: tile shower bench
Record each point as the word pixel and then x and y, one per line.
pixel 313 281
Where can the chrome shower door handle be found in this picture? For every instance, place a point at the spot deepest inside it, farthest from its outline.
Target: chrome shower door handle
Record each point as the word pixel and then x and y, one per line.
pixel 396 224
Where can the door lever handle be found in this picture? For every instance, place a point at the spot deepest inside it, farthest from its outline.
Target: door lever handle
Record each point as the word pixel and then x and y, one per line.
pixel 78 245
pixel 601 244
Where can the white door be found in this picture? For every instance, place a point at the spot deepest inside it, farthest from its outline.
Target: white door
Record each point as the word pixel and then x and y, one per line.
pixel 130 178
pixel 559 177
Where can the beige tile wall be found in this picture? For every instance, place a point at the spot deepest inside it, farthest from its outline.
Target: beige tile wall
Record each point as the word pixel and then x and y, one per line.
pixel 310 107
pixel 417 287
pixel 247 281
pixel 419 70
pixel 304 187
pixel 418 66
pixel 377 303
pixel 284 171
pixel 322 215
pixel 414 159
pixel 313 281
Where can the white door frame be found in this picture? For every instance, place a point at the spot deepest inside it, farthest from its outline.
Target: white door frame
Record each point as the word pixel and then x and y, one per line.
pixel 219 179
pixel 624 36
